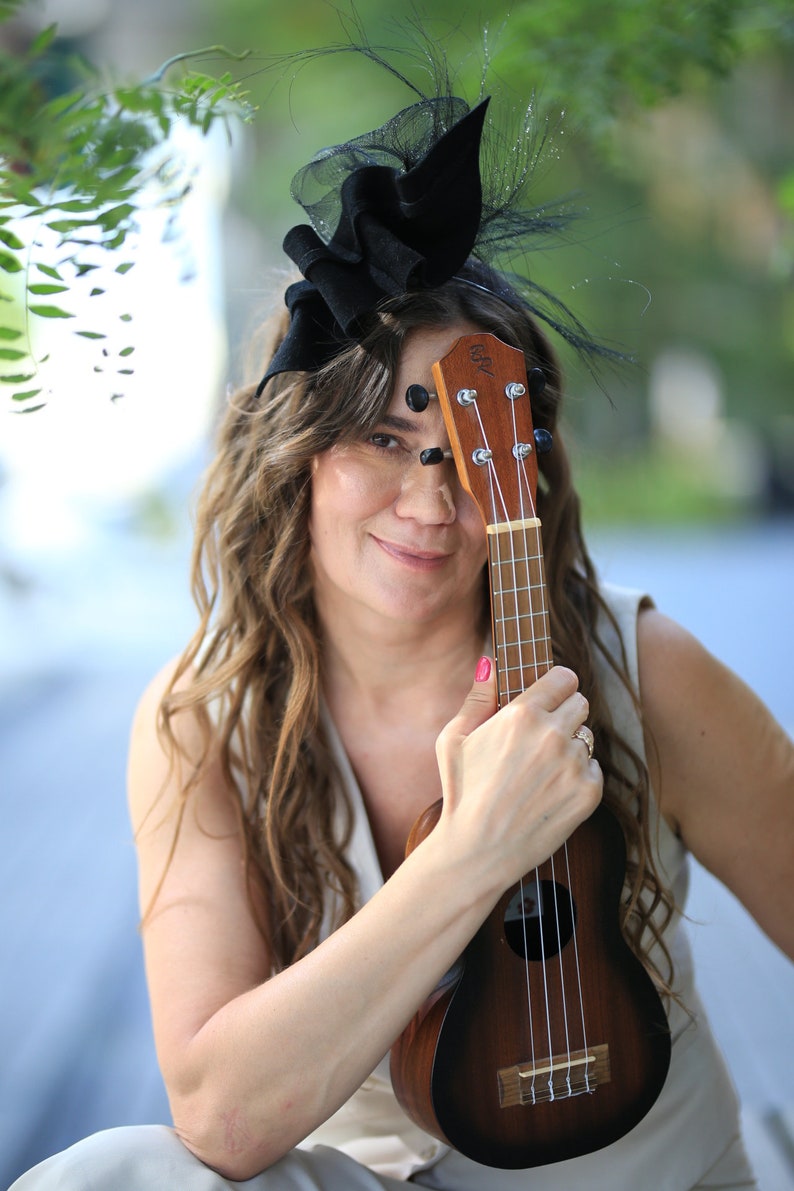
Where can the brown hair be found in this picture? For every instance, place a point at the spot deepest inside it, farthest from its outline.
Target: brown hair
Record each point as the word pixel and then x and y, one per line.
pixel 255 659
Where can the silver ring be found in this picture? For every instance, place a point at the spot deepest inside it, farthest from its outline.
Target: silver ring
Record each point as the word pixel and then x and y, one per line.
pixel 586 736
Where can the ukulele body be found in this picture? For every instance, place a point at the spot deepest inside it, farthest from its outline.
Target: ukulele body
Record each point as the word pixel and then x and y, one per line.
pixel 499 1061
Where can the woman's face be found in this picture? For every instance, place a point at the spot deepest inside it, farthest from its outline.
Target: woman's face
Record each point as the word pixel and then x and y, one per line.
pixel 388 535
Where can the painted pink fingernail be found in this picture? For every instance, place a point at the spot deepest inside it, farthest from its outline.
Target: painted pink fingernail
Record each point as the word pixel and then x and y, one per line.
pixel 483 671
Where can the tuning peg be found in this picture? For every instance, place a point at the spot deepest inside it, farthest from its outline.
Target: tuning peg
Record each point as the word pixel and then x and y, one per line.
pixel 433 455
pixel 543 441
pixel 416 398
pixel 536 381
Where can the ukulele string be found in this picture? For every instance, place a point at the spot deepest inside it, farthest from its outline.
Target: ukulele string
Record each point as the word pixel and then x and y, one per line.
pixel 544 613
pixel 499 514
pixel 575 934
pixel 524 489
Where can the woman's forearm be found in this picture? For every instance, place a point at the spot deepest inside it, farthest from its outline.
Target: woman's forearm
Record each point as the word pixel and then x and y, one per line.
pixel 275 1062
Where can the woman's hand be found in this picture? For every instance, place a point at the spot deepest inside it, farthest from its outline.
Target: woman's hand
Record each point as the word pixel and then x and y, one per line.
pixel 517 782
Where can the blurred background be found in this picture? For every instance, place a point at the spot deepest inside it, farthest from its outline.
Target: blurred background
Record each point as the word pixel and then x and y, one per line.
pixel 677 139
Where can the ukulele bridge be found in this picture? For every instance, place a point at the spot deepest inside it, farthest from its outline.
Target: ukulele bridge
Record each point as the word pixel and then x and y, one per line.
pixel 557 1078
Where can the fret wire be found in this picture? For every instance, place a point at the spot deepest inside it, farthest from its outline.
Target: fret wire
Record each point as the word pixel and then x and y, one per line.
pixel 496 566
pixel 543 633
pixel 529 603
pixel 515 684
pixel 533 554
pixel 499 564
pixel 532 595
pixel 537 623
pixel 522 668
pixel 508 591
pixel 545 639
pixel 537 616
pixel 543 647
pixel 533 639
pixel 517 558
pixel 522 560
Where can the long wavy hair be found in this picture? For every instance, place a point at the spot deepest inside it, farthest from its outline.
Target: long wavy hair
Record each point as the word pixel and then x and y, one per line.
pixel 252 673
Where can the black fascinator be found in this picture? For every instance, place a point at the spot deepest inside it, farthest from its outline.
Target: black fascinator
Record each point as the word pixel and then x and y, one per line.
pixel 405 207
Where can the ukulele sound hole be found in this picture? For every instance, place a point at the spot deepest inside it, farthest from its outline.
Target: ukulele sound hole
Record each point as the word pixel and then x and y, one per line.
pixel 539 919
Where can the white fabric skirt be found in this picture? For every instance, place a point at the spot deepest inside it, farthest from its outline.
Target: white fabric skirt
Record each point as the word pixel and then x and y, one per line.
pixel 152 1158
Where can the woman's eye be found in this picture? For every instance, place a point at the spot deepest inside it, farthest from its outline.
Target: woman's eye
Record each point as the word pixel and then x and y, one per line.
pixel 383 441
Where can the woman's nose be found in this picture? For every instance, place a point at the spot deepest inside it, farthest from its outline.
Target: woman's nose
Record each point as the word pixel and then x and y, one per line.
pixel 426 494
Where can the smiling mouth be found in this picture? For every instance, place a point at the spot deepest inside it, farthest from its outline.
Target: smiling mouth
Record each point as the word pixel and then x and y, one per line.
pixel 411 556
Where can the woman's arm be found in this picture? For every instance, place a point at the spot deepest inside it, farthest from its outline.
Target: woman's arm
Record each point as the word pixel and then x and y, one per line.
pixel 723 771
pixel 252 1064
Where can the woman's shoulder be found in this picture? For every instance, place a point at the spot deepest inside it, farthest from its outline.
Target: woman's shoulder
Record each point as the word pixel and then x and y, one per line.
pixel 173 679
pixel 172 676
pixel 670 658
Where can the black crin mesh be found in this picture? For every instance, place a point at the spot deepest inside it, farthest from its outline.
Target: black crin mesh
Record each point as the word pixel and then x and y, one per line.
pixel 405 207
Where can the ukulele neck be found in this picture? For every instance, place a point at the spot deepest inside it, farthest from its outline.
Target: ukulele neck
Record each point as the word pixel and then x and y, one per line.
pixel 519 607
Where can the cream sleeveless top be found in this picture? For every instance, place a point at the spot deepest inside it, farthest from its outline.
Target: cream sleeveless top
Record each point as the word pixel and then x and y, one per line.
pixel 696 1115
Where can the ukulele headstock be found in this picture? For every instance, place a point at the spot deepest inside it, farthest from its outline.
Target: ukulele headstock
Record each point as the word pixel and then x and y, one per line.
pixel 483 393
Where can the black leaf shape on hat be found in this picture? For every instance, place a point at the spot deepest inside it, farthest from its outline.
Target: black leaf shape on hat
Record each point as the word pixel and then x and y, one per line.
pixel 398 229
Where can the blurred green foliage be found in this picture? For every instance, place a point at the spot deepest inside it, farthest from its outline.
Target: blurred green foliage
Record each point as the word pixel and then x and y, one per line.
pixel 77 154
pixel 652 486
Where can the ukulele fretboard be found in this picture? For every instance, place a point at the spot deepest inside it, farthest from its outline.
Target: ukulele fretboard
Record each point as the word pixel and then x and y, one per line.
pixel 521 634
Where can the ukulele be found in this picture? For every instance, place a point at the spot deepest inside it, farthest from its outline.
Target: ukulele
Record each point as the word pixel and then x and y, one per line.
pixel 547 1039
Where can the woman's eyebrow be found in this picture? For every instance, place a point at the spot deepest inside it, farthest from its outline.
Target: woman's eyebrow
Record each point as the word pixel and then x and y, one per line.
pixel 393 422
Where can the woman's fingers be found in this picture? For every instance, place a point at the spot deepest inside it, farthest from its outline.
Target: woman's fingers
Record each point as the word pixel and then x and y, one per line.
pixel 480 703
pixel 520 778
pixel 553 689
pixel 553 699
pixel 556 691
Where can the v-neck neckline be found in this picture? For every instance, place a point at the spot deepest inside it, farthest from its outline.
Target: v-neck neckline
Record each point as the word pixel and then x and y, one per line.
pixel 361 851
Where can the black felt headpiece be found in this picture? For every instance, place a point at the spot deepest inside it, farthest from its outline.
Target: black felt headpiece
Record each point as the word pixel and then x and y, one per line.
pixel 403 208
pixel 402 226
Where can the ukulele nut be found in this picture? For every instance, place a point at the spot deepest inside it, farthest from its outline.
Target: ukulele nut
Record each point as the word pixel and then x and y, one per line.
pixel 514 390
pixel 466 396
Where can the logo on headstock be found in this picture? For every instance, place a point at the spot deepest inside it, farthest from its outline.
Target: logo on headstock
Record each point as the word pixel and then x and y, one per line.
pixel 480 359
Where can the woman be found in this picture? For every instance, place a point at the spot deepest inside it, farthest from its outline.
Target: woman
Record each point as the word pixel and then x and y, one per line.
pixel 342 681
